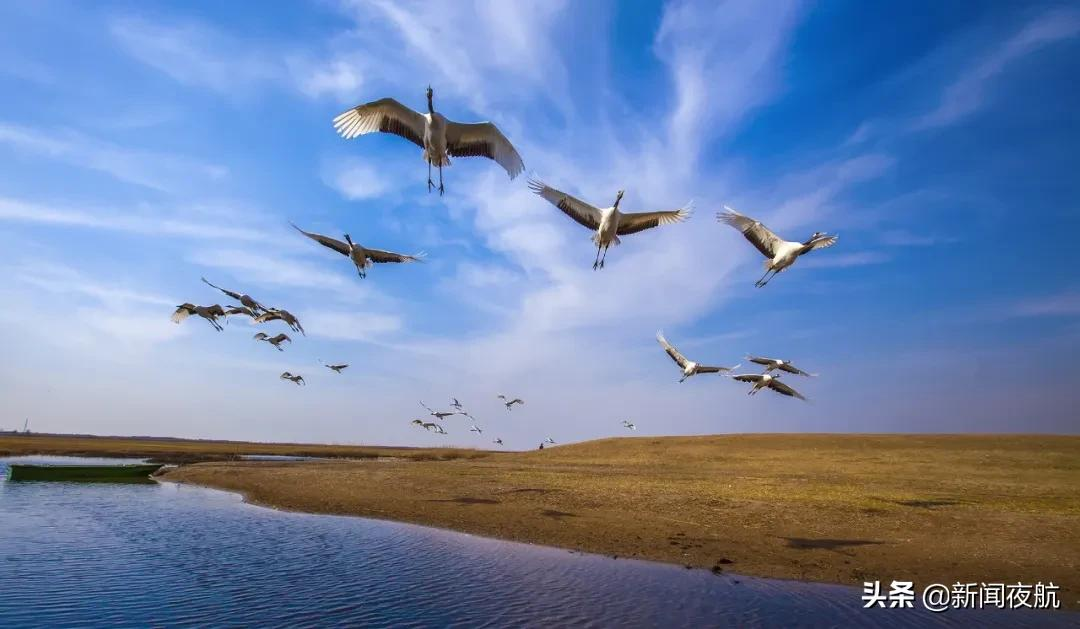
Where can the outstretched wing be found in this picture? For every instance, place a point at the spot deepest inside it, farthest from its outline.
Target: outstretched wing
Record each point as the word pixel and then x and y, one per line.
pixel 702 369
pixel 784 389
pixel 822 242
pixel 747 377
pixel 183 311
pixel 385 115
pixel 377 255
pixel 326 241
pixel 483 139
pixel 758 235
pixel 230 293
pixel 585 214
pixel 639 221
pixel 760 360
pixel 679 359
pixel 793 369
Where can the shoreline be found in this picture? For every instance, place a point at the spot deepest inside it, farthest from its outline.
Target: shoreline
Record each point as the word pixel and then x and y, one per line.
pixel 836 509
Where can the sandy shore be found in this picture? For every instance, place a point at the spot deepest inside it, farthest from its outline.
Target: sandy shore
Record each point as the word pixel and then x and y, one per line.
pixel 841 509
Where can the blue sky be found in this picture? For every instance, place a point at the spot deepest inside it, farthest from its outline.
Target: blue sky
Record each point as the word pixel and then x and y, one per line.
pixel 144 145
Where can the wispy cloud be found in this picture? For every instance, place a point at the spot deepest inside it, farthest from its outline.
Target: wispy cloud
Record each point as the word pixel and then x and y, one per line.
pixel 270 269
pixel 1064 304
pixel 161 171
pixel 968 93
pixel 142 221
pixel 349 326
pixel 836 260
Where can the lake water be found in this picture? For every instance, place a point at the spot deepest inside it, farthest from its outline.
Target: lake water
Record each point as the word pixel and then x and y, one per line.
pixel 84 555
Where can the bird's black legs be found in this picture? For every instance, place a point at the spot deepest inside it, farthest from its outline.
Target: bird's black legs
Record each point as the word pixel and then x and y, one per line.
pixel 605 256
pixel 430 183
pixel 596 262
pixel 440 181
pixel 761 282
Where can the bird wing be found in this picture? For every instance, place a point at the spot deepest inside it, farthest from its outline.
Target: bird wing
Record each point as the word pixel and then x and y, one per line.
pixel 823 242
pixel 702 369
pixel 285 375
pixel 267 316
pixel 483 139
pixel 227 292
pixel 377 255
pixel 760 360
pixel 575 208
pixel 793 369
pixel 326 241
pixel 747 377
pixel 758 235
pixel 784 389
pixel 385 115
pixel 259 336
pixel 517 400
pixel 679 359
pixel 183 311
pixel 638 221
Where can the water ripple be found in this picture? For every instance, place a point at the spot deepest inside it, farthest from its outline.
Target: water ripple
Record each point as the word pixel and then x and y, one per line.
pixel 74 555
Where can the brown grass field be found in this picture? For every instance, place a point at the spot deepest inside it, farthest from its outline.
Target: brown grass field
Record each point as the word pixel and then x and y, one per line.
pixel 835 508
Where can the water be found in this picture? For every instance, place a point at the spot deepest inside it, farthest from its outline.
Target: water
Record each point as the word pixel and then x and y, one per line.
pixel 74 555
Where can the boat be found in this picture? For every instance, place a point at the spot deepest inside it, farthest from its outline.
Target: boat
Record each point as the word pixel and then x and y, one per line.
pixel 83 473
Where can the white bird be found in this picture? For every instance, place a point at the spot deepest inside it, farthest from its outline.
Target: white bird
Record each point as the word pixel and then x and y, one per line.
pixel 429 426
pixel 476 429
pixel 498 441
pixel 276 341
pixel 629 424
pixel 440 138
pixel 298 379
pixel 549 440
pixel 277 314
pixel 608 223
pixel 336 368
pixel 767 381
pixel 440 415
pixel 362 257
pixel 780 253
pixel 245 300
pixel 508 402
pixel 210 313
pixel 689 367
pixel 776 363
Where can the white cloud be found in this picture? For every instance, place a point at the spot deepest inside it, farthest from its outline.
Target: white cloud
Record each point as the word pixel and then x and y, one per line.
pixel 968 93
pixel 349 326
pixel 270 269
pixel 161 171
pixel 146 221
pixel 358 180
pixel 836 260
pixel 1064 304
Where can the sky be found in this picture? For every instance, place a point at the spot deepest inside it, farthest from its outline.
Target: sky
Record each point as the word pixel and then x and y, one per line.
pixel 144 145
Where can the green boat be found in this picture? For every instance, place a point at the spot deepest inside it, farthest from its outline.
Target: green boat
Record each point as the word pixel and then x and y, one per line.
pixel 84 473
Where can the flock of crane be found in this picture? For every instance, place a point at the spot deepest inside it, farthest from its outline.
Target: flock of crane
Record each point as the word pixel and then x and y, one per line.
pixel 440 139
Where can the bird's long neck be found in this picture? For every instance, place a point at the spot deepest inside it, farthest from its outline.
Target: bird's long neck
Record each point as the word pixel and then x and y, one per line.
pixel 430 105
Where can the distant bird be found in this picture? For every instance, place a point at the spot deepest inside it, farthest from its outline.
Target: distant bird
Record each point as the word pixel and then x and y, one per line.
pixel 498 442
pixel 629 425
pixel 689 367
pixel 780 253
pixel 549 440
pixel 509 403
pixel 776 363
pixel 608 223
pixel 245 300
pixel 767 381
pixel 277 314
pixel 476 429
pixel 440 138
pixel 231 311
pixel 276 341
pixel 429 426
pixel 362 257
pixel 440 415
pixel 456 404
pixel 210 313
pixel 336 368
pixel 297 379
